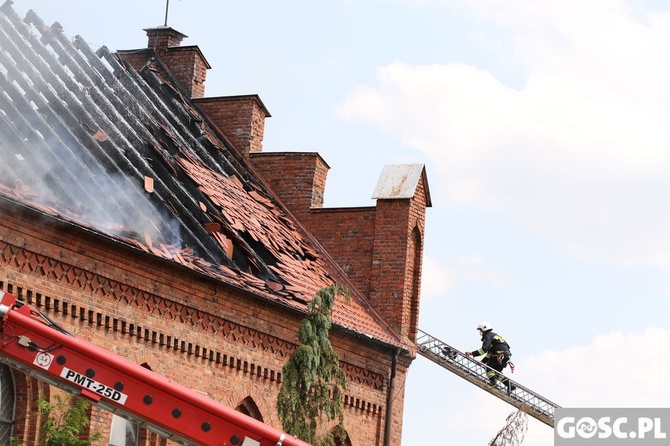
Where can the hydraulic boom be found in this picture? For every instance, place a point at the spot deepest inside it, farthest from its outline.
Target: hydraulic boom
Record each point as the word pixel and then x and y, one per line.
pixel 35 345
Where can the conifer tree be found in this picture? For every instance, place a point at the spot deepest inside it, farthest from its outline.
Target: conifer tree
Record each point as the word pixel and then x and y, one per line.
pixel 313 381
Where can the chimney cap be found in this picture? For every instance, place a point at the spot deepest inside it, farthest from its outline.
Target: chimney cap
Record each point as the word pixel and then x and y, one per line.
pixel 165 30
pixel 399 181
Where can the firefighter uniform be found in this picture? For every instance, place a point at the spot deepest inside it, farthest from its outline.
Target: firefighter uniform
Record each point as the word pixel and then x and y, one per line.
pixel 496 353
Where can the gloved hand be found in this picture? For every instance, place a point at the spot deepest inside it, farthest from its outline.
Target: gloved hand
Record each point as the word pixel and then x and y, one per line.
pixel 468 354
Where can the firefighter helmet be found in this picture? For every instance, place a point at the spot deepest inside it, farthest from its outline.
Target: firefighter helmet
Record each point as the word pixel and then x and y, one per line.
pixel 484 326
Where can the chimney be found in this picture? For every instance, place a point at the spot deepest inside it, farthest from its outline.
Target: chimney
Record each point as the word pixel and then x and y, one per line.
pixel 240 118
pixel 186 63
pixel 395 281
pixel 163 37
pixel 298 179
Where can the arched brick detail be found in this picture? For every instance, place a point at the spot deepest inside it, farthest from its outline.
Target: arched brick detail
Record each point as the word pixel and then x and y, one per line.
pixel 249 407
pixel 27 420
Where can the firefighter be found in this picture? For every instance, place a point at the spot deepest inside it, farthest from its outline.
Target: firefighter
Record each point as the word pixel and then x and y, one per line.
pixel 496 353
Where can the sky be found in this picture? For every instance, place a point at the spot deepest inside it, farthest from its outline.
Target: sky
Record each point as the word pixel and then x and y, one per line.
pixel 542 126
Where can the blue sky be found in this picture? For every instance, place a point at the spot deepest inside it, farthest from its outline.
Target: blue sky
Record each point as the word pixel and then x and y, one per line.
pixel 543 128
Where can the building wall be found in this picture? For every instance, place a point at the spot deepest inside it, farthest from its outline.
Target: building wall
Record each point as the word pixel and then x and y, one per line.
pixel 214 339
pixel 352 243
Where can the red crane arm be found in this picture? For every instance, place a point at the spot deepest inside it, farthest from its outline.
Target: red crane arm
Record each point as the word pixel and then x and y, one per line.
pixel 28 343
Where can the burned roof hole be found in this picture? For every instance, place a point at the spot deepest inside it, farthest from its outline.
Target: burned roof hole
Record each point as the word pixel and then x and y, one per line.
pixel 11 60
pixel 18 87
pixel 29 81
pixel 34 30
pixel 42 97
pixel 259 248
pixel 71 75
pixel 107 65
pixel 53 53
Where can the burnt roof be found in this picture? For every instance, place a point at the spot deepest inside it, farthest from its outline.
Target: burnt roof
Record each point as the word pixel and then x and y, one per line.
pixel 87 139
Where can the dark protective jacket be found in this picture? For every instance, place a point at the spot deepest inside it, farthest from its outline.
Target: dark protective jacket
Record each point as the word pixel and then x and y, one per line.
pixel 492 345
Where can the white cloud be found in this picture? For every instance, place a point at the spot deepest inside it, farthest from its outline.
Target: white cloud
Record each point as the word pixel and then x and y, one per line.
pixel 435 280
pixel 439 278
pixel 580 152
pixel 614 370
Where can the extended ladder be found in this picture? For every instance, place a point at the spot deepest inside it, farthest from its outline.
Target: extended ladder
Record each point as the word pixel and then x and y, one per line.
pixel 474 371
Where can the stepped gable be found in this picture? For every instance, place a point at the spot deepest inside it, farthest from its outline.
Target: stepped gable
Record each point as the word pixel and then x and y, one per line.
pixel 90 141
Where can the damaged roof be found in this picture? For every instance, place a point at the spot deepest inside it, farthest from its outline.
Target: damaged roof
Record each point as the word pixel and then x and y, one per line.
pixel 87 139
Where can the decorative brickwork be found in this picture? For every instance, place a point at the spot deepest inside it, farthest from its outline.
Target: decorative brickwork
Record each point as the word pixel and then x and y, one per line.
pixel 95 284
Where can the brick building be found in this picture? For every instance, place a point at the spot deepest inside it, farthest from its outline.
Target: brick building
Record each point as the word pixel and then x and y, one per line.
pixel 146 218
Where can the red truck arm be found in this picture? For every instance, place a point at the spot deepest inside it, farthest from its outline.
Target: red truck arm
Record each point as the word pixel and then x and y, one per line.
pixel 32 345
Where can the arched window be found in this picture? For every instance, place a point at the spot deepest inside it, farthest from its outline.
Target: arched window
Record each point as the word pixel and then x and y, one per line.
pixel 249 407
pixel 343 438
pixel 416 283
pixel 7 398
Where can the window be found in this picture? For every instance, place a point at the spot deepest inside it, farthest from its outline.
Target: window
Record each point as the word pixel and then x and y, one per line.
pixel 249 407
pixel 123 432
pixel 7 398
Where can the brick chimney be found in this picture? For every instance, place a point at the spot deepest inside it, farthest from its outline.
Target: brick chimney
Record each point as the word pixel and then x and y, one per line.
pixel 397 256
pixel 186 63
pixel 298 178
pixel 240 118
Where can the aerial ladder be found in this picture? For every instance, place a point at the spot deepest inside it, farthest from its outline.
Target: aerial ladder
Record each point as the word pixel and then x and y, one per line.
pixel 475 371
pixel 35 345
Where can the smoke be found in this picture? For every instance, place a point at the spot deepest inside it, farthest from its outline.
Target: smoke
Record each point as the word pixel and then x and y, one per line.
pixel 111 202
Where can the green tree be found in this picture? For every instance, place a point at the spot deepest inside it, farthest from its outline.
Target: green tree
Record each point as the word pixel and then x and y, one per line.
pixel 313 381
pixel 65 422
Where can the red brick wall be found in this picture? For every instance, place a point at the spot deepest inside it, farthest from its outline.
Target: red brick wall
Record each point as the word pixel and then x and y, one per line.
pixel 348 235
pixel 298 178
pixel 201 333
pixel 240 118
pixel 136 59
